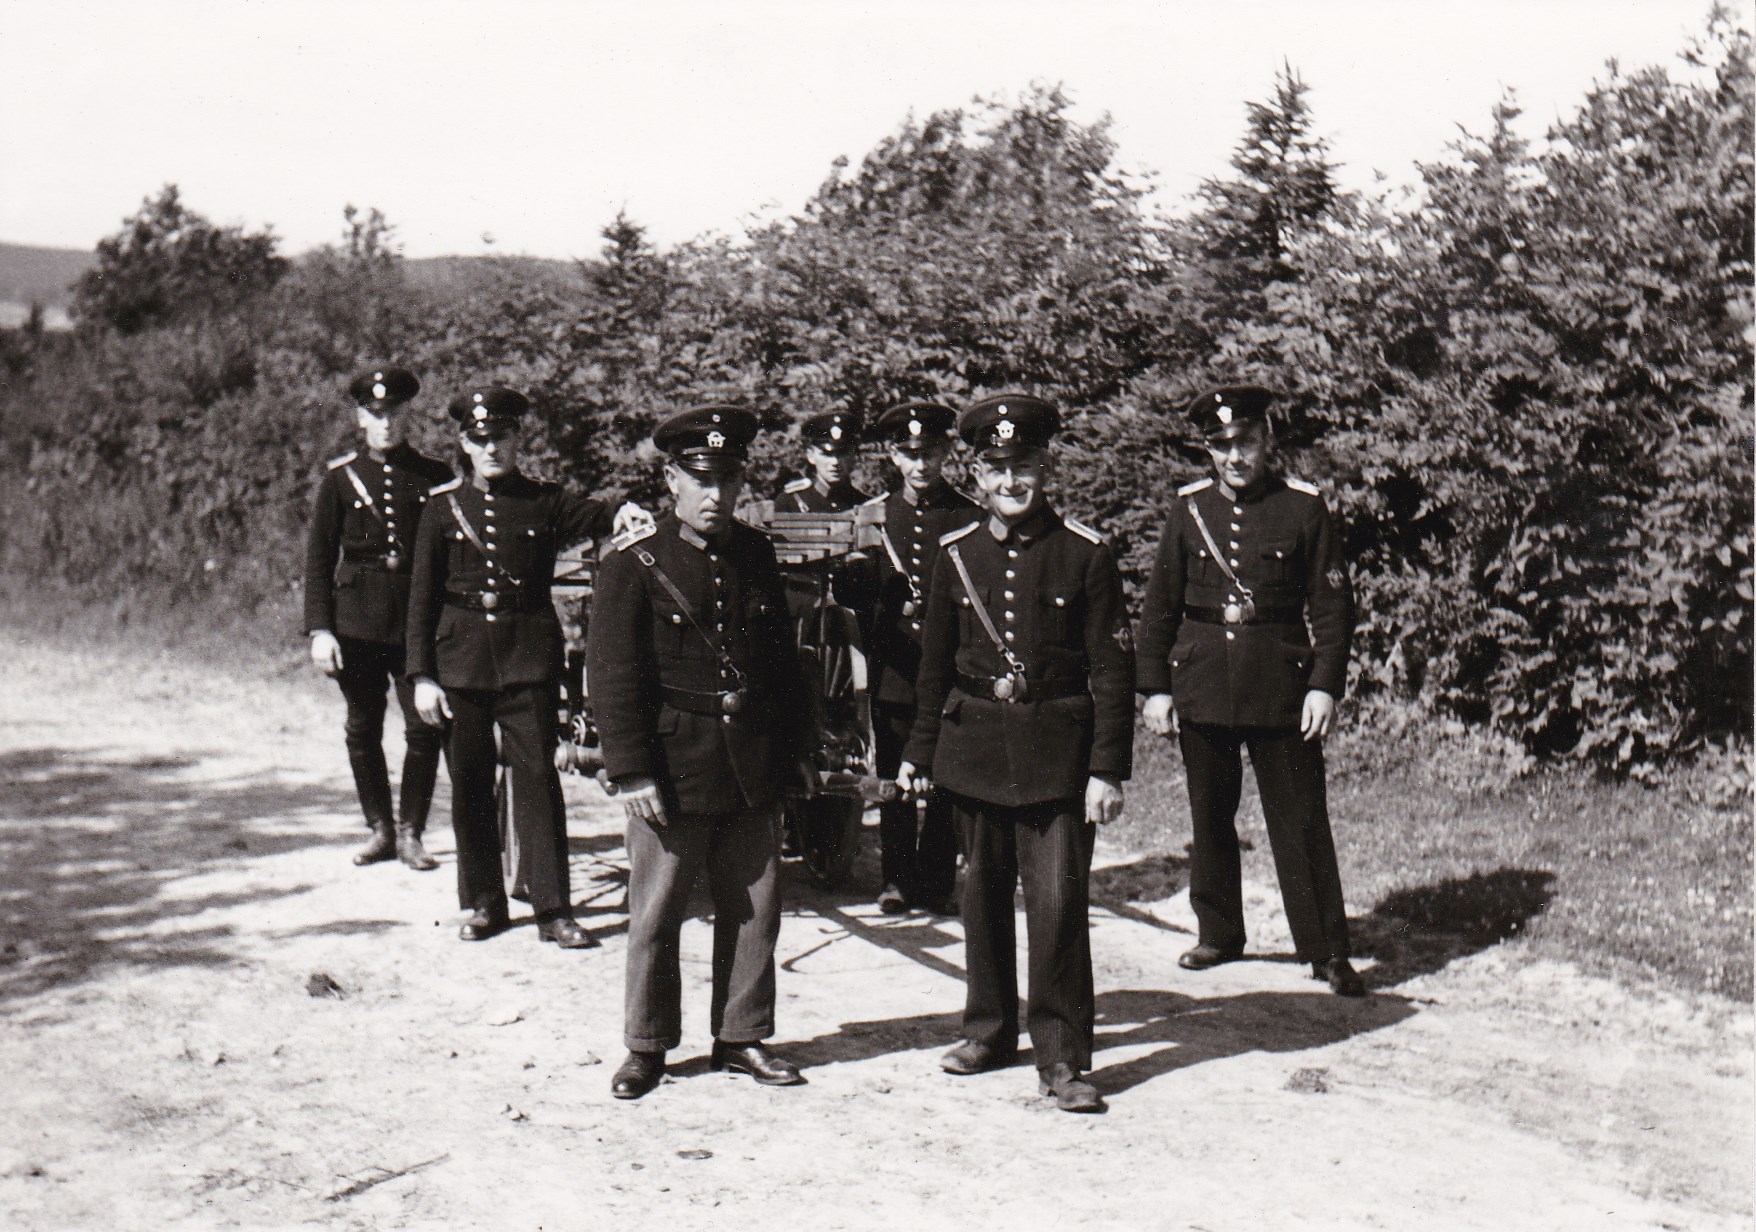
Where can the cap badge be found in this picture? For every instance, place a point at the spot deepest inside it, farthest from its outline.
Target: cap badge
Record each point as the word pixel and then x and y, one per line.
pixel 1225 413
pixel 377 376
pixel 478 397
pixel 716 440
pixel 914 427
pixel 481 413
pixel 835 432
pixel 716 417
pixel 1003 430
pixel 378 390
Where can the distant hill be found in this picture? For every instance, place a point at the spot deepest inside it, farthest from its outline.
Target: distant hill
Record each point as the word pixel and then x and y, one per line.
pixel 32 275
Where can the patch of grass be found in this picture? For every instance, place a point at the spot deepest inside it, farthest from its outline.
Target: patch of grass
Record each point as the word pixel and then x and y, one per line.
pixel 1457 844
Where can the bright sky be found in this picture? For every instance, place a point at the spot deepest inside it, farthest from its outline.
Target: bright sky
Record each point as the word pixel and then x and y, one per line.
pixel 536 120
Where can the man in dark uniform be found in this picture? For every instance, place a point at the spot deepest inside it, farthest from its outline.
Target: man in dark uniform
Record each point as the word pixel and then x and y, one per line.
pixel 1025 715
pixel 696 691
pixel 357 559
pixel 832 443
pixel 484 649
pixel 919 846
pixel 1248 560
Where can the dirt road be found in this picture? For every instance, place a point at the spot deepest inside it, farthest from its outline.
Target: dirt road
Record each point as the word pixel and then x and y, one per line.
pixel 175 870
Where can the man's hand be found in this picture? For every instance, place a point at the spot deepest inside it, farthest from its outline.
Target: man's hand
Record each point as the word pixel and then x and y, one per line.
pixel 631 517
pixel 1318 715
pixel 913 782
pixel 326 652
pixel 640 800
pixel 1157 714
pixel 1103 800
pixel 430 702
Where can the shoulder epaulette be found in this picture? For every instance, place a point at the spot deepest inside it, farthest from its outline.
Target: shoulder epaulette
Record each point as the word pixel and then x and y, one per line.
pixel 953 536
pixel 1082 530
pixel 1299 485
pixel 338 463
pixel 632 536
pixel 1190 489
pixel 796 485
pixel 450 485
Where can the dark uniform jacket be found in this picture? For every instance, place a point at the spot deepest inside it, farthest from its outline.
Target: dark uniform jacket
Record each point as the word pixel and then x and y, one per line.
pixel 899 606
pixel 656 684
pixel 457 633
pixel 802 495
pixel 1054 587
pixel 1281 543
pixel 355 537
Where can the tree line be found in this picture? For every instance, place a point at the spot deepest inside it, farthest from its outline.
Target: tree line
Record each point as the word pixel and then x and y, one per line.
pixel 1526 385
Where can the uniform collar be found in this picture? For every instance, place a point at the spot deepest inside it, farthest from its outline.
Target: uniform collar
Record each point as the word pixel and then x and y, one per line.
pixel 1028 531
pixel 508 482
pixel 937 494
pixel 695 539
pixel 1271 483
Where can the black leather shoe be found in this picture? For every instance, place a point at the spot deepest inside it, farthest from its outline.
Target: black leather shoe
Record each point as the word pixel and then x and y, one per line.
pixel 757 1061
pixel 380 847
pixel 481 925
pixel 1340 975
pixel 566 933
pixel 1072 1093
pixel 637 1075
pixel 411 852
pixel 891 901
pixel 975 1057
pixel 1204 956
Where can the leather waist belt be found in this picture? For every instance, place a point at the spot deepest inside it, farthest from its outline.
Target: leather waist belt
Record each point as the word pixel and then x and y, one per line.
pixel 1291 614
pixel 700 701
pixel 1038 690
pixel 393 562
pixel 495 601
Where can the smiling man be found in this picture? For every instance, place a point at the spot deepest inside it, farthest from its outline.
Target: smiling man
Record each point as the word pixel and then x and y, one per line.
pixel 1248 559
pixel 484 653
pixel 1025 717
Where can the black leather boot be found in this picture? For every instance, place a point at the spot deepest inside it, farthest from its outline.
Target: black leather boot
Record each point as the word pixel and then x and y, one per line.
pixel 410 851
pixel 380 847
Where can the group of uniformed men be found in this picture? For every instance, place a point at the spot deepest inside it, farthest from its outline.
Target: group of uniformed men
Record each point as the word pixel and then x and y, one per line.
pixel 1003 674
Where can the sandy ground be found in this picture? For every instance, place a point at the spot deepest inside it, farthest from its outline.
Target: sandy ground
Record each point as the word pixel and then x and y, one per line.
pixel 175 870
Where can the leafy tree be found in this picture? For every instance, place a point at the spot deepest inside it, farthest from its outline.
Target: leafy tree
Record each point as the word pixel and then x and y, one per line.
pixel 168 262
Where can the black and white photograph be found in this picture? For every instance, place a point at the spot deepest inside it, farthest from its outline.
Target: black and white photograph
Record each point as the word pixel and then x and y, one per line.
pixel 760 614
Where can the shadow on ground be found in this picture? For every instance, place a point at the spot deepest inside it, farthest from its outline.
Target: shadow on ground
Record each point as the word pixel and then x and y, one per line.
pixel 1410 933
pixel 93 846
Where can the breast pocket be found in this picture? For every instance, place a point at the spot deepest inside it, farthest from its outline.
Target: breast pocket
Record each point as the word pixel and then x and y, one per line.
pixel 673 631
pixel 1056 615
pixel 1280 560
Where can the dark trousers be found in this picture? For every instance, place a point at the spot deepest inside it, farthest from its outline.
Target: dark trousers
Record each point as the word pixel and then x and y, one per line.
pixel 368 670
pixel 1289 778
pixel 918 845
pixel 1048 846
pixel 740 853
pixel 525 715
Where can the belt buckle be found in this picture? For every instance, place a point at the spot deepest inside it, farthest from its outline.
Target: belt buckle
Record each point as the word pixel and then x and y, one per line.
pixel 1009 688
pixel 1233 613
pixel 731 703
pixel 392 561
pixel 490 600
pixel 909 607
